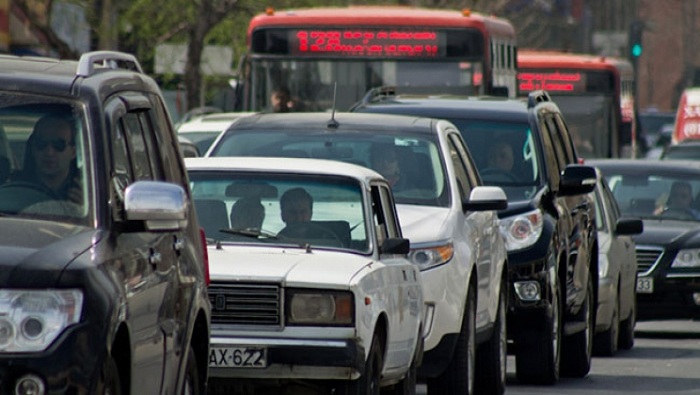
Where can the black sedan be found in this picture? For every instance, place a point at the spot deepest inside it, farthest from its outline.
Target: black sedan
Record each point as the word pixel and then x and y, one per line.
pixel 666 195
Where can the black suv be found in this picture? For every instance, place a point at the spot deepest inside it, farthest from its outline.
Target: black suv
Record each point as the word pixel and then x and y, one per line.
pixel 549 225
pixel 102 268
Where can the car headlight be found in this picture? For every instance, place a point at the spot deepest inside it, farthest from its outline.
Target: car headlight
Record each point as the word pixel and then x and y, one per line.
pixel 689 258
pixel 30 320
pixel 432 256
pixel 319 307
pixel 522 230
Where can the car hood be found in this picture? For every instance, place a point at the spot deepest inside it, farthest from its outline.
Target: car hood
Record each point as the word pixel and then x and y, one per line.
pixel 668 232
pixel 29 246
pixel 292 266
pixel 422 224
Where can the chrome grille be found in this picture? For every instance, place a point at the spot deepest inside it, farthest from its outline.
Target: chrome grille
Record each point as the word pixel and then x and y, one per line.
pixel 246 303
pixel 647 258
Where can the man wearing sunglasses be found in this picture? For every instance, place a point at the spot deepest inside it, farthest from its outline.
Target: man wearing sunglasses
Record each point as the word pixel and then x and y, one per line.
pixel 49 160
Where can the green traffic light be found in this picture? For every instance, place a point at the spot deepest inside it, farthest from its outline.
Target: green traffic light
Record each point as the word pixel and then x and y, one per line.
pixel 636 50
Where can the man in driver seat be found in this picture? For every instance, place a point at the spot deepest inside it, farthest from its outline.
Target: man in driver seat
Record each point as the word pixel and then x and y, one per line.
pixel 50 159
pixel 680 199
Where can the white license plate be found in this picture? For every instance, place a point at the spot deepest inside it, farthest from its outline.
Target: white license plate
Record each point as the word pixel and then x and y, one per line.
pixel 645 285
pixel 238 357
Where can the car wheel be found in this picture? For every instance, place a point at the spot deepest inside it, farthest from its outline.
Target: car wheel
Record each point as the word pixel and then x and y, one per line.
pixel 537 359
pixel 458 378
pixel 368 382
pixel 109 383
pixel 578 348
pixel 605 343
pixel 191 385
pixel 491 356
pixel 627 327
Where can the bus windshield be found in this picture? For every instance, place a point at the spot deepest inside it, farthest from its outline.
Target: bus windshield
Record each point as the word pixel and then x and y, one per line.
pixel 310 82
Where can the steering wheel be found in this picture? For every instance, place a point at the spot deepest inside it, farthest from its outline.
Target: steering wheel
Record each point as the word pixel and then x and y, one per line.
pixel 308 230
pixel 678 213
pixel 54 207
pixel 21 194
pixel 497 174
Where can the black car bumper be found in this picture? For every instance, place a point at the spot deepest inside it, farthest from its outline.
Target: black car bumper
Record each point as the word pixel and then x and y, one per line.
pixel 672 297
pixel 69 366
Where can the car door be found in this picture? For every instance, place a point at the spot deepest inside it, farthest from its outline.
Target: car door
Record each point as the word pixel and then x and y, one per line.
pixel 145 258
pixel 476 227
pixel 404 286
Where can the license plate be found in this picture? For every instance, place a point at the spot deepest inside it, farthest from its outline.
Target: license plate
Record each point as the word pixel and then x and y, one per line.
pixel 238 357
pixel 645 285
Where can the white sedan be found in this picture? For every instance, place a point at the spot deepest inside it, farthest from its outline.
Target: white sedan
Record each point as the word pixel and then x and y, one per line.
pixel 309 276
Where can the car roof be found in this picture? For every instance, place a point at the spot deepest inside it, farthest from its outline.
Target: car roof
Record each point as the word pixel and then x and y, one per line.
pixel 475 107
pixel 216 122
pixel 284 165
pixel 644 166
pixel 345 121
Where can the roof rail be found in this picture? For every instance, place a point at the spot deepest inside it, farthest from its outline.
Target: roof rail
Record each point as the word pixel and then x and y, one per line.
pixel 107 59
pixel 380 92
pixel 538 96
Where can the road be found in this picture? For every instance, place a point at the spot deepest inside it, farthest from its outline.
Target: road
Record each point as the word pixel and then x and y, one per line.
pixel 664 360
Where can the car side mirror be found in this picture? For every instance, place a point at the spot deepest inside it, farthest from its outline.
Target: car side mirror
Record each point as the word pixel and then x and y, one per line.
pixel 396 246
pixel 161 206
pixel 629 226
pixel 577 180
pixel 485 198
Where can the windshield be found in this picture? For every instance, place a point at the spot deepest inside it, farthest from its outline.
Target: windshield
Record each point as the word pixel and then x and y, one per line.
pixel 591 123
pixel 310 83
pixel 43 171
pixel 656 196
pixel 417 176
pixel 281 209
pixel 506 155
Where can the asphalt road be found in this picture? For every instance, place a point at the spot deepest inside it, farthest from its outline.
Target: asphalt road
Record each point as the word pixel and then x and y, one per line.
pixel 664 360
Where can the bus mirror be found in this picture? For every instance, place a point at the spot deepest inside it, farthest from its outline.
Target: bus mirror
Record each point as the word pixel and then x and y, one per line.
pixel 501 91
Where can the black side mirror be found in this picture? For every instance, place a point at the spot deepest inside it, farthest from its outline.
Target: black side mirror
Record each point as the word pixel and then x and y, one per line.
pixel 397 246
pixel 629 226
pixel 577 180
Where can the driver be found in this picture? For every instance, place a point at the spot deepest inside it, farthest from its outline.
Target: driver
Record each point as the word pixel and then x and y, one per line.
pixel 296 207
pixel 501 156
pixel 50 159
pixel 680 197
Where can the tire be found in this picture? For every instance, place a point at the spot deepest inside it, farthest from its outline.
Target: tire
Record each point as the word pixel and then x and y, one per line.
pixel 191 384
pixel 626 341
pixel 491 356
pixel 578 348
pixel 458 378
pixel 368 382
pixel 109 383
pixel 538 358
pixel 606 343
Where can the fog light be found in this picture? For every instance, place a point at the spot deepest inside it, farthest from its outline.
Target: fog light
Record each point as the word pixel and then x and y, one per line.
pixel 696 298
pixel 528 290
pixel 30 385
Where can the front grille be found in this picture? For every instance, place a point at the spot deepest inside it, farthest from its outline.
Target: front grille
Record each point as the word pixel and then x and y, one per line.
pixel 647 258
pixel 246 304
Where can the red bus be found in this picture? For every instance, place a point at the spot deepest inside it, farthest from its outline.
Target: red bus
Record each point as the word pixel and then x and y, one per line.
pixel 595 94
pixel 311 52
pixel 687 125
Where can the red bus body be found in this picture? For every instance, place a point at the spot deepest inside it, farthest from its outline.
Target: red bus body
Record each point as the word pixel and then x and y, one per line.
pixel 595 93
pixel 687 124
pixel 362 47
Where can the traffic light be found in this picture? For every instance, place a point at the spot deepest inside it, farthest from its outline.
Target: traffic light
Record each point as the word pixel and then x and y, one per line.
pixel 635 39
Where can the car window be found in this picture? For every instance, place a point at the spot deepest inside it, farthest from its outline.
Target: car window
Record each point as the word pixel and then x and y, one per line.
pixel 255 208
pixel 45 174
pixel 421 178
pixel 464 184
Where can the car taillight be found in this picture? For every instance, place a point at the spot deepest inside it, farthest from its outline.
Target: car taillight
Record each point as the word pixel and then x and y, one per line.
pixel 203 239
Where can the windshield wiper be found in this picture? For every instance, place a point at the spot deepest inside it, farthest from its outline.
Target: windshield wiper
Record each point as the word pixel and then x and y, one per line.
pixel 250 232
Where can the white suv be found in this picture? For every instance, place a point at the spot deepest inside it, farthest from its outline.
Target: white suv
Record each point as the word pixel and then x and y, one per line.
pixel 444 210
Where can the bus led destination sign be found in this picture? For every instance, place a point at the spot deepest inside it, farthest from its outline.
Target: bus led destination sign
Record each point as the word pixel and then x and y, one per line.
pixel 553 82
pixel 367 42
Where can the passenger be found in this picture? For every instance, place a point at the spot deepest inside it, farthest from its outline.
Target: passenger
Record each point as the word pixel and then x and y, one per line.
pixel 247 214
pixel 281 100
pixel 50 161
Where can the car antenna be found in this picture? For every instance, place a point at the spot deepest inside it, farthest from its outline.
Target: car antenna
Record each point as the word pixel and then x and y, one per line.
pixel 333 124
